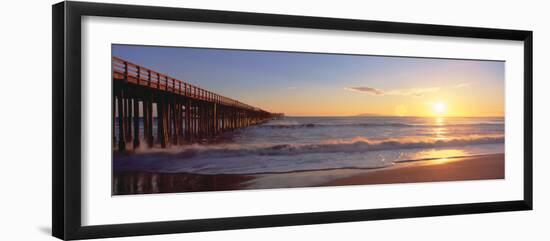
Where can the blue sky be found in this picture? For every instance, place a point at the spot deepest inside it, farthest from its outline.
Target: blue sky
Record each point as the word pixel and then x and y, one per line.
pixel 331 84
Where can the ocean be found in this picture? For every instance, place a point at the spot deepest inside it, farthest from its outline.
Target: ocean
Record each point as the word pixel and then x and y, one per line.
pixel 294 144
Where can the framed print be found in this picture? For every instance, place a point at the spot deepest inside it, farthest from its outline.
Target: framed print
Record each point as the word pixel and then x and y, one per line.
pixel 162 114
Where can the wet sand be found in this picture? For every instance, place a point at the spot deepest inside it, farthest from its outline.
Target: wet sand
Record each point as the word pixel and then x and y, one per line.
pixel 445 169
pixel 147 182
pixel 452 169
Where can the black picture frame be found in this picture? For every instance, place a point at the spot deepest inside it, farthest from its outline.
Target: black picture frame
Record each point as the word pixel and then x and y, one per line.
pixel 67 135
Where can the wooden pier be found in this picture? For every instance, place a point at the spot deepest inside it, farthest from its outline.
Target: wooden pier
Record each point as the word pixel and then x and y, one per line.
pixel 184 113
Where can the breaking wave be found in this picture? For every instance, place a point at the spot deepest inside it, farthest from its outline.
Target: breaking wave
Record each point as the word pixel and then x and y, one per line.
pixel 353 146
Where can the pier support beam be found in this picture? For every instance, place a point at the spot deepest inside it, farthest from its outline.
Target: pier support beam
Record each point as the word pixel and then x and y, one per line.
pixel 146 124
pixel 161 122
pixel 188 120
pixel 127 119
pixel 174 120
pixel 149 116
pixel 121 122
pixel 113 110
pixel 136 123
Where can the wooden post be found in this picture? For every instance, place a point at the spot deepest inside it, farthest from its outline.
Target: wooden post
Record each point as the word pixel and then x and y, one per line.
pixel 113 110
pixel 188 120
pixel 176 124
pixel 222 118
pixel 180 108
pixel 200 120
pixel 123 116
pixel 165 122
pixel 205 119
pixel 208 116
pixel 196 120
pixel 215 118
pixel 160 121
pixel 121 122
pixel 174 121
pixel 128 119
pixel 191 120
pixel 208 109
pixel 169 114
pixel 149 134
pixel 236 119
pixel 212 119
pixel 144 106
pixel 191 124
pixel 136 123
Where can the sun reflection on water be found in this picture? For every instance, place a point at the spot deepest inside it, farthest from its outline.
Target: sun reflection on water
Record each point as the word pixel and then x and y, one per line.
pixel 440 131
pixel 440 121
pixel 440 156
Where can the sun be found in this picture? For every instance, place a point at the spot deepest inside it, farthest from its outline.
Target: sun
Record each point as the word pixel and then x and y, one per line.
pixel 439 108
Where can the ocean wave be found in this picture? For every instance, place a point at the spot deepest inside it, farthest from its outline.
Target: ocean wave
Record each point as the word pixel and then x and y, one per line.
pixel 352 146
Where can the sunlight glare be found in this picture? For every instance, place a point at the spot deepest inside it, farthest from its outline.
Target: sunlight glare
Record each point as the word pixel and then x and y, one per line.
pixel 439 108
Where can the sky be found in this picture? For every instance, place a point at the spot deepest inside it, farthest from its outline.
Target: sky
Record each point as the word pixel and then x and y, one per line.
pixel 320 84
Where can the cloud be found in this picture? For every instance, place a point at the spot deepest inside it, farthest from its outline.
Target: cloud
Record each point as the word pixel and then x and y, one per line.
pixel 414 92
pixel 461 85
pixel 365 89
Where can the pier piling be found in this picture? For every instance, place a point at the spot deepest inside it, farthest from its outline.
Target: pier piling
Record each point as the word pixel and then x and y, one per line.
pixel 183 113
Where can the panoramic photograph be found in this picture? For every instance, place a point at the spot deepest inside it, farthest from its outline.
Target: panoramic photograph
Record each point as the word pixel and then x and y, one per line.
pixel 188 119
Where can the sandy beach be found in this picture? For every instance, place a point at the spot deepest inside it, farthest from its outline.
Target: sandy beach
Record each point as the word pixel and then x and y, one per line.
pixel 445 169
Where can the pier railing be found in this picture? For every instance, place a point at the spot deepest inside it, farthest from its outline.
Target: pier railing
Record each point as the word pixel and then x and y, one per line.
pixel 136 74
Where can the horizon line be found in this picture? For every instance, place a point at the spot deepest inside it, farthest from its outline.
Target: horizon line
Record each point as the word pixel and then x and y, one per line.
pixel 425 116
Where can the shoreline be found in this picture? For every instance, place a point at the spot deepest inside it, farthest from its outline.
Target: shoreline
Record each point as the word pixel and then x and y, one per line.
pixel 482 167
pixel 478 167
pixel 127 183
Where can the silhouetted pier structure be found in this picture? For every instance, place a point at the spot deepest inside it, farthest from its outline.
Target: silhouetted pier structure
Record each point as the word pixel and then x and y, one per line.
pixel 185 113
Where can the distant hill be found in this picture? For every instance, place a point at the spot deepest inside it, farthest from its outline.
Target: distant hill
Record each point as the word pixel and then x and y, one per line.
pixel 367 114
